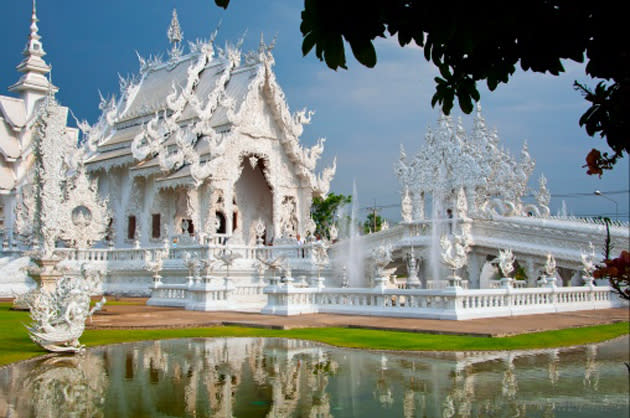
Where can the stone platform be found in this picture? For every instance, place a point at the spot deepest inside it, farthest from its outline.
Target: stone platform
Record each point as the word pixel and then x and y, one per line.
pixel 135 314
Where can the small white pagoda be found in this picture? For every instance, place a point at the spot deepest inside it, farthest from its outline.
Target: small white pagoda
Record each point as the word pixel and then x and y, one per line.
pixel 19 122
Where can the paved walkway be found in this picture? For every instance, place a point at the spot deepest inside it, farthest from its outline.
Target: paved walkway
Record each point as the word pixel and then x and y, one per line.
pixel 137 315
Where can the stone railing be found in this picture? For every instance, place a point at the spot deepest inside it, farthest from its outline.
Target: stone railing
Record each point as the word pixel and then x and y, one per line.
pixel 497 284
pixel 450 303
pixel 208 294
pixel 248 252
pixel 175 295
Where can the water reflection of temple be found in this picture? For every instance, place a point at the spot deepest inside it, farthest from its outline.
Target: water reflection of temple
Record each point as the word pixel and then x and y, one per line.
pixel 281 378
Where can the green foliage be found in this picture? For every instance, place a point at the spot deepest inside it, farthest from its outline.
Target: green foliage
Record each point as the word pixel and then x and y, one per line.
pixel 373 223
pixel 323 211
pixel 485 41
pixel 222 3
pixel 519 273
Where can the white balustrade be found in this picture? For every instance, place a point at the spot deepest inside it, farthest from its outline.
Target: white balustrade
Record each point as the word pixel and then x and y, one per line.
pixel 449 303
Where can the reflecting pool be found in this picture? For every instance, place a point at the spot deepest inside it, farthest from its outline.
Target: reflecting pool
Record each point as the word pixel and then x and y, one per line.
pixel 257 377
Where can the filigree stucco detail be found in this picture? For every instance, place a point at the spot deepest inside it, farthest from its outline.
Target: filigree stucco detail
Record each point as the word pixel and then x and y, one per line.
pixel 58 316
pixel 506 261
pixel 40 210
pixel 84 216
pixel 452 161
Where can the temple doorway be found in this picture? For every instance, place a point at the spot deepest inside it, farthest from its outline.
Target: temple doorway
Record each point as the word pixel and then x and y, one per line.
pixel 255 201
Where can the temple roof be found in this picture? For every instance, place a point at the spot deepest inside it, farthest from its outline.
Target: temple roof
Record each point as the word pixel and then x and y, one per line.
pixel 175 113
pixel 13 111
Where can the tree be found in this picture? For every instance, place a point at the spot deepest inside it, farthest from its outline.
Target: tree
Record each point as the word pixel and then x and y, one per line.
pixel 373 223
pixel 323 211
pixel 484 41
pixel 617 271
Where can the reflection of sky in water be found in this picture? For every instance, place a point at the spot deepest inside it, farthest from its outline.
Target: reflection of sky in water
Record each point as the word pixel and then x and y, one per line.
pixel 253 377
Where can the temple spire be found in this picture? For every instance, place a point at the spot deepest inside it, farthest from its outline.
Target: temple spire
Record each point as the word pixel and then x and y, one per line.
pixel 33 84
pixel 175 36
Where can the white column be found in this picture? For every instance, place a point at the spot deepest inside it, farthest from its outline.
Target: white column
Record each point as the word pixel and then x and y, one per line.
pixel 474 270
pixel 531 271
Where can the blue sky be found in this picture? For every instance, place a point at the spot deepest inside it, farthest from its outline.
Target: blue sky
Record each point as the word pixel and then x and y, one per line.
pixel 364 113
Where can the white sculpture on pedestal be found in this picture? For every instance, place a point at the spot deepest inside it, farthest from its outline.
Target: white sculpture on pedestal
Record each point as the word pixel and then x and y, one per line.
pixel 59 315
pixel 550 271
pixel 455 254
pixel 413 267
pixel 274 264
pixel 588 265
pixel 381 256
pixel 506 261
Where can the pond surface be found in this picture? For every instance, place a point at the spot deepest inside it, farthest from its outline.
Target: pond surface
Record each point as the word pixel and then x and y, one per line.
pixel 257 377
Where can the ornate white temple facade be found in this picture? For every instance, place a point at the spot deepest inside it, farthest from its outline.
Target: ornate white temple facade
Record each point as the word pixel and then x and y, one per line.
pixel 203 144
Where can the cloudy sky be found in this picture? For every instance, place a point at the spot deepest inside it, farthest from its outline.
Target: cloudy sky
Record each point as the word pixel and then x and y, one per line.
pixel 365 114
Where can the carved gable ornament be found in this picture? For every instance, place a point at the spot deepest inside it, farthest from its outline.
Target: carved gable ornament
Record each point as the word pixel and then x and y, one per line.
pixel 83 216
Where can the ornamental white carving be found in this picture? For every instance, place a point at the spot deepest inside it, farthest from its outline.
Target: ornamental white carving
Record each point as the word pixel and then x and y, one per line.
pixel 550 266
pixel 588 263
pixel 453 165
pixel 506 262
pixel 58 316
pixel 381 256
pixel 52 144
pixel 455 251
pixel 84 216
pixel 333 233
pixel 406 209
pixel 543 197
pixel 260 231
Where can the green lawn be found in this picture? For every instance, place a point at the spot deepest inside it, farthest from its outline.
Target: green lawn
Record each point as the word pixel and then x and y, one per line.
pixel 15 344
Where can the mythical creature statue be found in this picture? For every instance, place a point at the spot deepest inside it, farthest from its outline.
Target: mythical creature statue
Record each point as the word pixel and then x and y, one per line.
pixel 192 264
pixel 588 266
pixel 381 256
pixel 550 266
pixel 454 252
pixel 274 264
pixel 227 258
pixel 506 262
pixel 58 316
pixel 154 265
pixel 333 233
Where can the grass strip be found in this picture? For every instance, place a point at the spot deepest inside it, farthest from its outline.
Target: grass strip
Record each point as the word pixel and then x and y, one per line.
pixel 15 344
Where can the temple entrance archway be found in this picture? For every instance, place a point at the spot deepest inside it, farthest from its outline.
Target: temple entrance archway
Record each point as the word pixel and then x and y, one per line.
pixel 254 197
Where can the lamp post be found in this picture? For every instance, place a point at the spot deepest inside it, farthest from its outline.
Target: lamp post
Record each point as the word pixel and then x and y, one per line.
pixel 599 193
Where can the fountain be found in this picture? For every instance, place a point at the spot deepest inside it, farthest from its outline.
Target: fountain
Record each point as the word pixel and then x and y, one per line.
pixel 354 262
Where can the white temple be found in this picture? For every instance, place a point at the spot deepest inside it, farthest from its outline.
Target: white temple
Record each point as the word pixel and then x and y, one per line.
pixel 204 144
pixel 193 186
